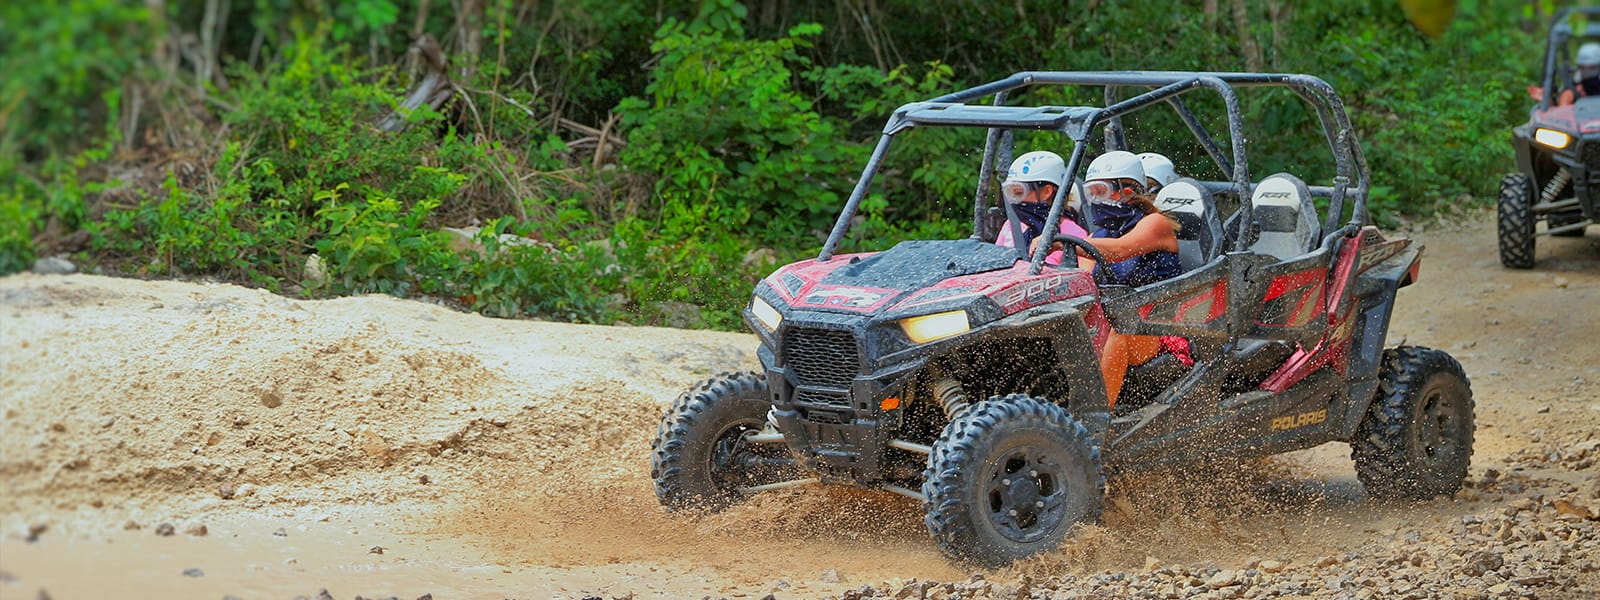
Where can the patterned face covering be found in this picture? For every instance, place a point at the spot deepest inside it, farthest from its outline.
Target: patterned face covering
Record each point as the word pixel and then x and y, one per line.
pixel 1032 215
pixel 1114 220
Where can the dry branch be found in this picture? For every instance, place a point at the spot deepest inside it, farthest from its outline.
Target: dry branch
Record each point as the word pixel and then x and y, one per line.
pixel 434 90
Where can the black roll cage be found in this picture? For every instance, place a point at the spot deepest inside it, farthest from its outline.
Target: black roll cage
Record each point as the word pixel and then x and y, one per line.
pixel 1352 178
pixel 1555 53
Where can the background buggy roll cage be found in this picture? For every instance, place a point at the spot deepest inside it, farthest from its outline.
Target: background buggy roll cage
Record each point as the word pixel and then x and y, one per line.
pixel 1555 54
pixel 1077 122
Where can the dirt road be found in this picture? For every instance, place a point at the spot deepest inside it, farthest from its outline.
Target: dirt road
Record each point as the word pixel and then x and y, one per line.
pixel 190 440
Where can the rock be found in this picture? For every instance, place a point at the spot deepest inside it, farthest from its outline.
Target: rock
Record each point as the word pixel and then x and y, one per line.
pixel 376 550
pixel 35 530
pixel 196 529
pixel 1564 506
pixel 270 398
pixel 165 530
pixel 193 572
pixel 429 596
pixel 313 274
pixel 324 595
pixel 1327 561
pixel 1222 579
pixel 54 265
pixel 132 525
pixel 916 590
pixel 1271 566
pixel 829 575
pixel 226 491
pixel 1151 563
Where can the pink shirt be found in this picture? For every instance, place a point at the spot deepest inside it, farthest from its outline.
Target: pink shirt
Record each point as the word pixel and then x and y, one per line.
pixel 1067 227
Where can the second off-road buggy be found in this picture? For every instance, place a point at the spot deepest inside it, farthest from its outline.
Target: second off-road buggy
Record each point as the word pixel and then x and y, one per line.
pixel 1558 151
pixel 965 374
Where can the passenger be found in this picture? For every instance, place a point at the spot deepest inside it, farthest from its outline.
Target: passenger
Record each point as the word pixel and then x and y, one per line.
pixel 1159 172
pixel 1142 246
pixel 1030 186
pixel 1586 82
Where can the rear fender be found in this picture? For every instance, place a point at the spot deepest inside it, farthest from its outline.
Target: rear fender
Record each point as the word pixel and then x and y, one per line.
pixel 1384 270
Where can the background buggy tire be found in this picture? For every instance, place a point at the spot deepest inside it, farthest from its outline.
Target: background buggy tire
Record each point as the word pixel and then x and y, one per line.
pixel 1415 441
pixel 1515 221
pixel 1008 478
pixel 696 459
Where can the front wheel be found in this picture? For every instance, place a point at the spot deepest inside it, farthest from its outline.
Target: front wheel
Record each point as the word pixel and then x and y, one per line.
pixel 1515 221
pixel 1008 478
pixel 702 456
pixel 1415 441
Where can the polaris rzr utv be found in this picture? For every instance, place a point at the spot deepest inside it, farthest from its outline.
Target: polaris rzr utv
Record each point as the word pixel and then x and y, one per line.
pixel 1558 151
pixel 965 374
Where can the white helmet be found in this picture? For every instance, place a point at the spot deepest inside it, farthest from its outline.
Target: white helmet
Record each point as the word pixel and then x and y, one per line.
pixel 1158 168
pixel 1039 165
pixel 1116 164
pixel 1589 55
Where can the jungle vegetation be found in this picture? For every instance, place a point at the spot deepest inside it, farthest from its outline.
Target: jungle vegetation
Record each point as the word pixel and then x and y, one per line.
pixel 639 161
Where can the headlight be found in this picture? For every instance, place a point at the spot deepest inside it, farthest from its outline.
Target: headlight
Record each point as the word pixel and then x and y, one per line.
pixel 1551 138
pixel 765 313
pixel 936 326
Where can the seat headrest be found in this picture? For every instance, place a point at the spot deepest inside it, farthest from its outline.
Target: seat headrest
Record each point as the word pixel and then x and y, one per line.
pixel 1279 190
pixel 1182 197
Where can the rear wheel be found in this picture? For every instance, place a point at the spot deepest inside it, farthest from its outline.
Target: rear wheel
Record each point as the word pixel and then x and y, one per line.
pixel 1415 441
pixel 702 456
pixel 1516 221
pixel 1008 478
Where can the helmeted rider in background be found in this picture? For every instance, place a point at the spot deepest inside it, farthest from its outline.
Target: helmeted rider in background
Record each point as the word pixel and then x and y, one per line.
pixel 1159 172
pixel 1029 188
pixel 1586 82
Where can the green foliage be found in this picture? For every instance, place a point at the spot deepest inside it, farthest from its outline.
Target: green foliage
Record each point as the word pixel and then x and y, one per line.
pixel 732 133
pixel 62 60
pixel 378 245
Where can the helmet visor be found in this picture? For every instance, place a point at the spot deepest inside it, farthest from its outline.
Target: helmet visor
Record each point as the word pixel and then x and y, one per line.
pixel 1109 191
pixel 1016 191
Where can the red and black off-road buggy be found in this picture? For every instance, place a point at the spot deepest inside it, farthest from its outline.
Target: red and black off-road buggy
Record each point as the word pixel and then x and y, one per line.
pixel 1558 152
pixel 965 374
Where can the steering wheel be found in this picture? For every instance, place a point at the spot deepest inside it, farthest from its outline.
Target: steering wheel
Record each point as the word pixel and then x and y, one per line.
pixel 1101 277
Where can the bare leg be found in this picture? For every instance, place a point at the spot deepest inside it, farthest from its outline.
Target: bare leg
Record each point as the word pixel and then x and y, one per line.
pixel 1120 352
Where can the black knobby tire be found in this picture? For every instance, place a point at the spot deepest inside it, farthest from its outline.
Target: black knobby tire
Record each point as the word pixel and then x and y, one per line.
pixel 1516 221
pixel 700 457
pixel 1009 477
pixel 1415 441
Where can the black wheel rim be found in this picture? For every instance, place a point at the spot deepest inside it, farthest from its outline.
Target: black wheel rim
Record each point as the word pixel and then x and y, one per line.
pixel 1438 426
pixel 736 463
pixel 1026 494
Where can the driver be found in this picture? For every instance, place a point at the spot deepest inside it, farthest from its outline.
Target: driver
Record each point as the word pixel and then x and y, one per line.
pixel 1030 186
pixel 1586 82
pixel 1141 245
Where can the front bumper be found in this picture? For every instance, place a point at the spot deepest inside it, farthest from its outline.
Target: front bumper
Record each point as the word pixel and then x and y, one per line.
pixel 826 396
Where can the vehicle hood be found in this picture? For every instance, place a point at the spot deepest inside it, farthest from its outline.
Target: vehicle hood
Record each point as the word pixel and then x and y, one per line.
pixel 1579 118
pixel 918 273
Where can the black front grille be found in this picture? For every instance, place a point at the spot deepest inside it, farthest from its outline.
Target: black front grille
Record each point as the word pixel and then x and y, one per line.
pixel 821 398
pixel 821 357
pixel 831 417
